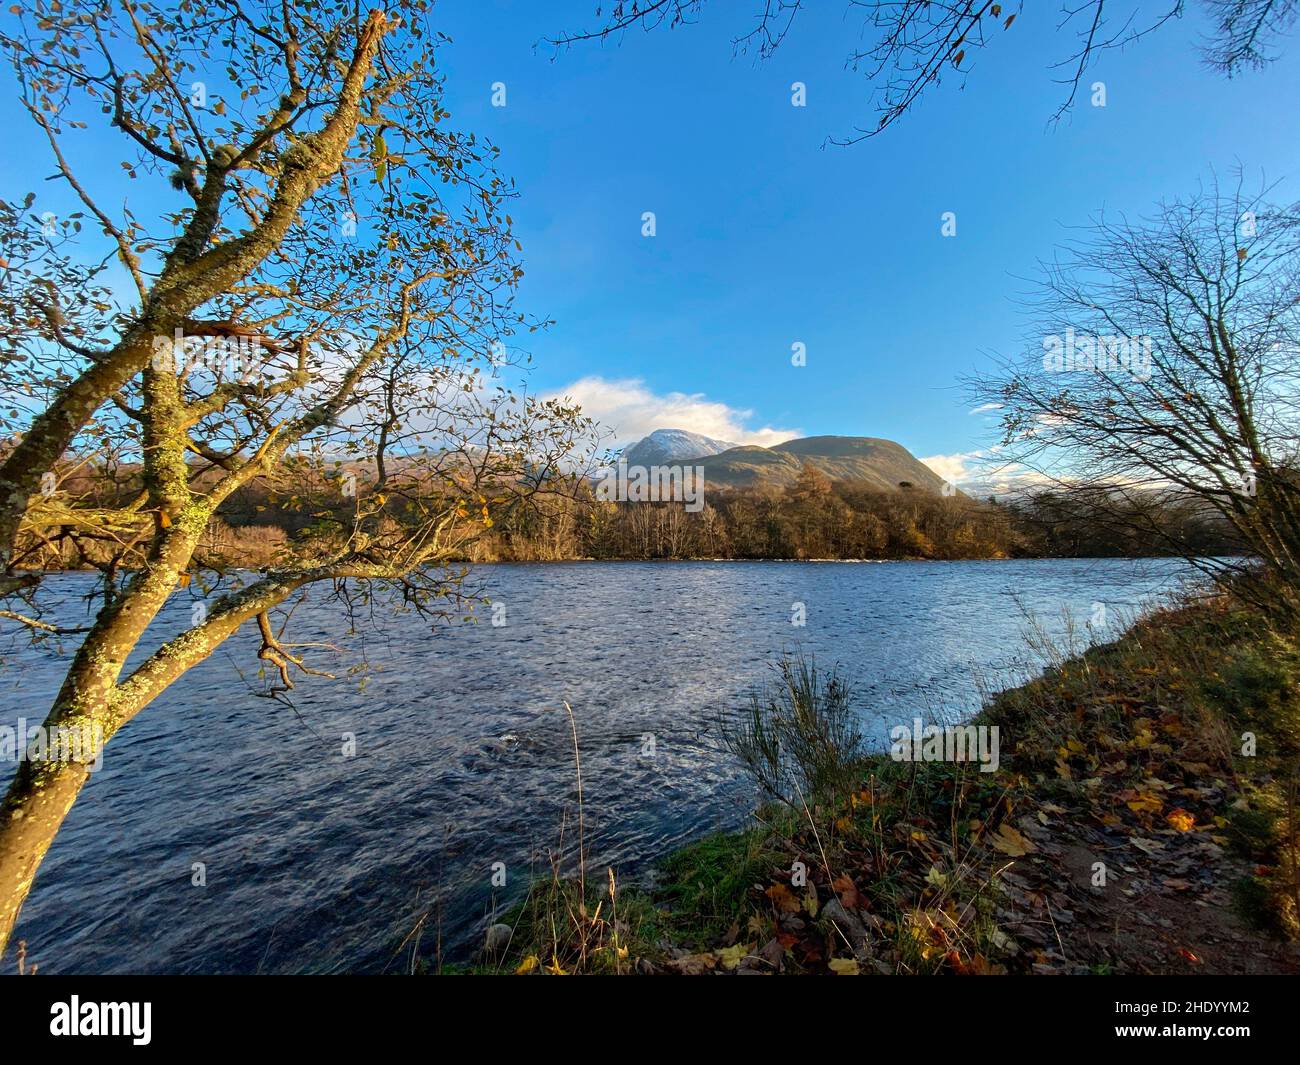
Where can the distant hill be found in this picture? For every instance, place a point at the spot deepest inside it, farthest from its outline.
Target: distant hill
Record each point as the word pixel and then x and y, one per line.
pixel 882 464
pixel 666 446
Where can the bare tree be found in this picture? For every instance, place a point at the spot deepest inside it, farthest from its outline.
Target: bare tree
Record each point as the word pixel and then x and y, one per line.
pixel 317 273
pixel 911 46
pixel 1246 32
pixel 1165 363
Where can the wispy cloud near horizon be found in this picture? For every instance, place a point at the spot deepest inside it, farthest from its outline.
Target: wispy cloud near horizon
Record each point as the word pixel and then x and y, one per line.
pixel 981 472
pixel 630 410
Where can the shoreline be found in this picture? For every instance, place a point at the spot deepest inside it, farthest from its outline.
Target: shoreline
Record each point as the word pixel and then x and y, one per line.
pixel 1125 832
pixel 709 561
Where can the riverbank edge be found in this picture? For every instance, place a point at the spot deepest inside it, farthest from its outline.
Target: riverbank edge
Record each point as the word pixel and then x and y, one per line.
pixel 36 574
pixel 1142 820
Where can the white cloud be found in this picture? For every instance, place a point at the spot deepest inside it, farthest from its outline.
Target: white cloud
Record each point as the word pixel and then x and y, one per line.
pixel 955 469
pixel 981 473
pixel 631 411
pixel 984 408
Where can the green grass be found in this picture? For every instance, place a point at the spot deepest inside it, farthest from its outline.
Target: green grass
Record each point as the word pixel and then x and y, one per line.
pixel 704 887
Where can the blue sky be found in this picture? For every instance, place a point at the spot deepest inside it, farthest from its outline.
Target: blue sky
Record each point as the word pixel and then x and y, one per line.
pixel 766 238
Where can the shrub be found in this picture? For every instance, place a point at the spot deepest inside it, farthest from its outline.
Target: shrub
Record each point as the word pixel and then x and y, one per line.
pixel 799 739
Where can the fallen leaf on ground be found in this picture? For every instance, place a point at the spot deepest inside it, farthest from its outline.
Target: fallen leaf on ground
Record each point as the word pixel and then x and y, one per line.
pixel 783 898
pixel 1012 842
pixel 844 887
pixel 693 964
pixel 1143 802
pixel 730 956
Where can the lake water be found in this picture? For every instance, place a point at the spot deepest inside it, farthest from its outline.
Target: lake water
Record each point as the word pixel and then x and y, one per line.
pixel 319 862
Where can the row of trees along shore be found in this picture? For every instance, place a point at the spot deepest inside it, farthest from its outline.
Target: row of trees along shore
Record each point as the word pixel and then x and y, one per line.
pixel 291 511
pixel 846 520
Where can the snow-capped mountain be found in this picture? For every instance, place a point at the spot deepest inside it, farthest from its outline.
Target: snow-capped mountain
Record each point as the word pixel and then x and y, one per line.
pixel 665 446
pixel 880 464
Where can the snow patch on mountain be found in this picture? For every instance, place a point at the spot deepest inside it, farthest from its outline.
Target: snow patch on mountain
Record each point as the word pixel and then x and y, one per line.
pixel 666 446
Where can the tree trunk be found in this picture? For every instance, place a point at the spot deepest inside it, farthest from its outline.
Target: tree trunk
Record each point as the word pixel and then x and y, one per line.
pixel 39 798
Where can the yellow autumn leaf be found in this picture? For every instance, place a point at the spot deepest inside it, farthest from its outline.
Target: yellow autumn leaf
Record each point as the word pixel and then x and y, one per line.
pixel 731 956
pixel 1144 802
pixel 528 965
pixel 1012 842
pixel 843 966
pixel 1181 819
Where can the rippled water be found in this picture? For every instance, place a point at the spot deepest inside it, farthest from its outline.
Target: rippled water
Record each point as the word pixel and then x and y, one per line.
pixel 317 862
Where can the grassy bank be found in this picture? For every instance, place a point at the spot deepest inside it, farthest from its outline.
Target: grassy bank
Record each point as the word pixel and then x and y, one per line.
pixel 1143 819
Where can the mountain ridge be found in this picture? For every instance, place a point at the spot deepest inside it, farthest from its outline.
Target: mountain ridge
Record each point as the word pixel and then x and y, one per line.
pixel 880 463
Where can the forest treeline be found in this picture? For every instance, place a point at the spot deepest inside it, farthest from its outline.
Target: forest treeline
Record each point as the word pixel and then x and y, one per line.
pixel 305 507
pixel 819 519
pixel 814 518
